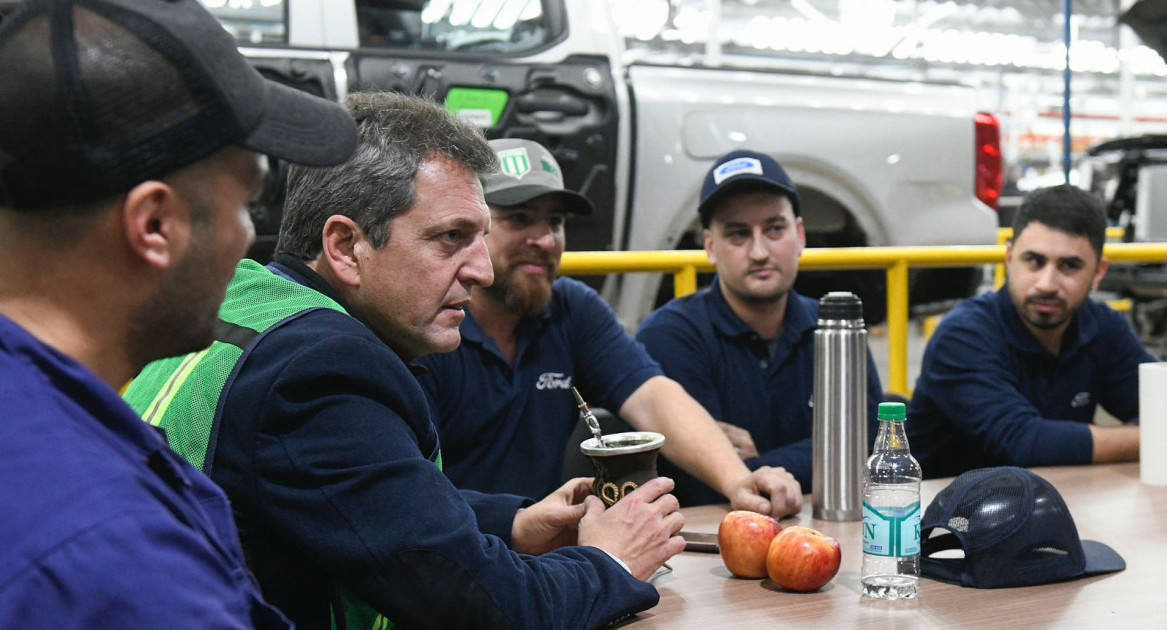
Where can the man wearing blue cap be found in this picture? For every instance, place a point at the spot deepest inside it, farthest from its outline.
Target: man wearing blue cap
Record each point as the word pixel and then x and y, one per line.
pixel 504 398
pixel 744 347
pixel 131 147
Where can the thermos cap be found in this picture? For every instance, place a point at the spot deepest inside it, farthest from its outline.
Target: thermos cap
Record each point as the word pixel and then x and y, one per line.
pixel 840 305
pixel 893 411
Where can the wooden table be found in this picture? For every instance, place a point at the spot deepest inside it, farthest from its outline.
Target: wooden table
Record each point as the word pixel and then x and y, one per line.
pixel 1108 503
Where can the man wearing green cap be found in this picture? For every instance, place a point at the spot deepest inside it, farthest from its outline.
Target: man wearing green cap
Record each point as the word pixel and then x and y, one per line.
pixel 504 400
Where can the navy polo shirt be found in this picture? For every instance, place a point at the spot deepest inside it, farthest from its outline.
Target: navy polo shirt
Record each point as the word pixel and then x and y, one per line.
pixel 989 394
pixel 504 428
pixel 701 343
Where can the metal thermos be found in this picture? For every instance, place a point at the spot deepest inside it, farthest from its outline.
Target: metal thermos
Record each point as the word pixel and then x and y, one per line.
pixel 840 408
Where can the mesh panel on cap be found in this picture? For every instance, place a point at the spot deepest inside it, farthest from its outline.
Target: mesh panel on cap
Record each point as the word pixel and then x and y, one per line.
pixel 117 60
pixel 1014 527
pixel 995 508
pixel 103 105
pixel 28 90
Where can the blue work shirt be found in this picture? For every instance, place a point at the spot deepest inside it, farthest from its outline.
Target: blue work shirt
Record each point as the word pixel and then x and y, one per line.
pixel 103 525
pixel 702 344
pixel 989 394
pixel 504 428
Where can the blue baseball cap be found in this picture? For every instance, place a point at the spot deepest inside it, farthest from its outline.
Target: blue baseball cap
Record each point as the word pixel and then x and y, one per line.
pixel 1014 529
pixel 740 170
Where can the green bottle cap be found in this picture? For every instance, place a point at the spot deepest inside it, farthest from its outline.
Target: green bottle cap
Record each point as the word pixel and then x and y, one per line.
pixel 893 411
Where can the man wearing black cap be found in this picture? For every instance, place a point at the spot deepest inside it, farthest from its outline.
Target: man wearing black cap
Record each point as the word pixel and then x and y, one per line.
pixel 504 398
pixel 129 153
pixel 744 347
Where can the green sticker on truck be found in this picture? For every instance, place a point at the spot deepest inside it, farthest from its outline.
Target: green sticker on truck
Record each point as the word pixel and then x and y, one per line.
pixel 482 107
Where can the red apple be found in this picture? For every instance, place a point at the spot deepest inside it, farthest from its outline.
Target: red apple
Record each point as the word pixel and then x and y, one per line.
pixel 744 538
pixel 803 559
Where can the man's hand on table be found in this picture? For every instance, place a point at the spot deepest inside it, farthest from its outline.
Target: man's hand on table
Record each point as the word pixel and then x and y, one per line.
pixel 641 529
pixel 782 489
pixel 553 522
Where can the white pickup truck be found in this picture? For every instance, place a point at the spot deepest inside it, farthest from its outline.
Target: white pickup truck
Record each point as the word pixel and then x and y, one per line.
pixel 877 162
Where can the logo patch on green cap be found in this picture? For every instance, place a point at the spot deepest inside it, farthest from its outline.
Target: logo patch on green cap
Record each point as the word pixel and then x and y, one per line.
pixel 515 162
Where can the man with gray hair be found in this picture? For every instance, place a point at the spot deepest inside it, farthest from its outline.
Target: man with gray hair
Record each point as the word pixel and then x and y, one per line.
pixel 307 412
pixel 131 146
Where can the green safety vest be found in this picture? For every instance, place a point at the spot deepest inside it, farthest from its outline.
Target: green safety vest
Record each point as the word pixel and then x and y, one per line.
pixel 183 395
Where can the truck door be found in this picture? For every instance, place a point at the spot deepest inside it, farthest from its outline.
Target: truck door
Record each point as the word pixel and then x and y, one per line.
pixel 510 66
pixel 496 64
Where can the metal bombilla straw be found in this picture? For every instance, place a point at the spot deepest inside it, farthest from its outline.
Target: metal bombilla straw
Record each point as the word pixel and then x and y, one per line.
pixel 589 417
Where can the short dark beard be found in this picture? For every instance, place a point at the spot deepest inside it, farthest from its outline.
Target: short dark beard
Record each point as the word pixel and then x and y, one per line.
pixel 518 299
pixel 181 315
pixel 1042 322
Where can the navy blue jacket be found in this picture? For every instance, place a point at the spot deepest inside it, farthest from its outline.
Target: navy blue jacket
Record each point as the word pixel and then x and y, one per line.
pixel 504 428
pixel 328 452
pixel 702 344
pixel 989 394
pixel 102 525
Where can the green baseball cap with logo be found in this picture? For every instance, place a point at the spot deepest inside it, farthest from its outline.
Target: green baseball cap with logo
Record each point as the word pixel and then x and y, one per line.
pixel 528 170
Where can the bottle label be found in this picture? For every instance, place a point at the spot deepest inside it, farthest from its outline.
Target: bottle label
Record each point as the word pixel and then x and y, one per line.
pixel 891 531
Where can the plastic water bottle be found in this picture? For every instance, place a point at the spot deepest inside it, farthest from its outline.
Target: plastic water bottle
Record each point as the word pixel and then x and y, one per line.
pixel 891 512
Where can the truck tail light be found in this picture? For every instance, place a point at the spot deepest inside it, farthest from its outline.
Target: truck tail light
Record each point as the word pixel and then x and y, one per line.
pixel 990 173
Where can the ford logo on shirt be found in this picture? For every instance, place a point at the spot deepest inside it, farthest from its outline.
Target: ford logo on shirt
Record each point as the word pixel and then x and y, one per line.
pixel 553 380
pixel 1081 399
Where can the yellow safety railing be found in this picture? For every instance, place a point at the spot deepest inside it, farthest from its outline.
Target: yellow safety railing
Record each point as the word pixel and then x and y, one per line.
pixel 685 264
pixel 1006 233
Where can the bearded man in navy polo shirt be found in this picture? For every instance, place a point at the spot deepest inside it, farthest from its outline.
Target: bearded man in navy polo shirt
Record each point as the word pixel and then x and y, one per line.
pixel 504 401
pixel 744 347
pixel 1014 377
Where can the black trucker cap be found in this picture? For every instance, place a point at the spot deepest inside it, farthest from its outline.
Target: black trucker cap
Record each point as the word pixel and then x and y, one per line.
pixel 738 170
pixel 1014 529
pixel 97 96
